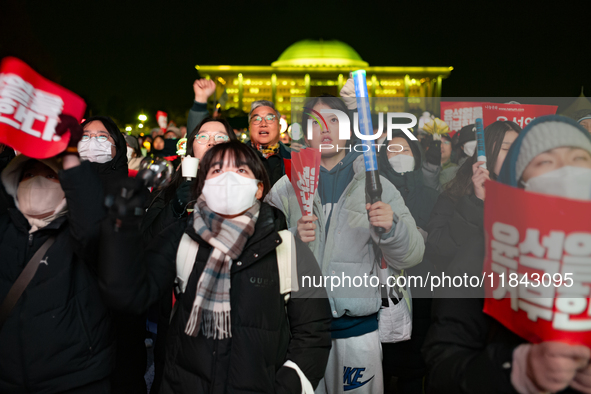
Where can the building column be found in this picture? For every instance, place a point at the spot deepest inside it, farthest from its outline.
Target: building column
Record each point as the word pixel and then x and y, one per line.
pixel 438 86
pixel 274 88
pixel 307 84
pixel 406 85
pixel 340 82
pixel 240 91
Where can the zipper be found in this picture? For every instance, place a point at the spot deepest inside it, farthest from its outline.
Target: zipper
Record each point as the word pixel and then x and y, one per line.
pixel 30 240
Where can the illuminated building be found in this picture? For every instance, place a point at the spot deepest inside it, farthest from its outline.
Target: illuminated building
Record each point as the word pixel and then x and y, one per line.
pixel 309 68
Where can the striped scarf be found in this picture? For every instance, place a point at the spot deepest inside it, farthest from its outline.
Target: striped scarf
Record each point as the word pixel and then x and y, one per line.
pixel 211 308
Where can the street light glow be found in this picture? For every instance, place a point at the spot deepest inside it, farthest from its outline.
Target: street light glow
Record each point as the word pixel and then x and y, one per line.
pixel 128 128
pixel 142 117
pixel 140 126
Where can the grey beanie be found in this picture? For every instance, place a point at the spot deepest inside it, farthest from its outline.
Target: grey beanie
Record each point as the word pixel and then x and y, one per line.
pixel 549 135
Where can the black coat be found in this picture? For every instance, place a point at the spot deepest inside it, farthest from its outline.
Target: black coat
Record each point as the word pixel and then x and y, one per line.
pixel 130 328
pixel 467 351
pixel 58 335
pixel 274 164
pixel 452 225
pixel 265 331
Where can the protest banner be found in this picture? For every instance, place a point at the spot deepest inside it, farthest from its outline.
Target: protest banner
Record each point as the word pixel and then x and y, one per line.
pixel 521 114
pixel 463 113
pixel 537 265
pixel 305 170
pixel 30 106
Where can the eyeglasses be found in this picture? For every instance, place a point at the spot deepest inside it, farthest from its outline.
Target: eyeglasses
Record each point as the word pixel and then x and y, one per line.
pixel 446 142
pixel 99 137
pixel 203 139
pixel 258 119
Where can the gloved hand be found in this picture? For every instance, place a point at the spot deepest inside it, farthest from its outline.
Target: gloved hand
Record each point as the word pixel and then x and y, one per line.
pixel 69 123
pixel 126 208
pixel 348 94
pixel 433 154
pixel 182 198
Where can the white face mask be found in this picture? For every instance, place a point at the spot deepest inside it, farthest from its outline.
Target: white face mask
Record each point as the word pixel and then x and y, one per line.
pixel 470 148
pixel 230 193
pixel 129 153
pixel 94 151
pixel 39 196
pixel 402 163
pixel 568 181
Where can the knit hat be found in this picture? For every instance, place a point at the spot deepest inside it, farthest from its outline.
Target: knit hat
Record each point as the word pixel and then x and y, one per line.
pixel 541 135
pixel 132 141
pixel 584 115
pixel 467 133
pixel 175 130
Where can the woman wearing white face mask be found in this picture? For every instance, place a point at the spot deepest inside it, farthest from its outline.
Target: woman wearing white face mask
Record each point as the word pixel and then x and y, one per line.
pixel 57 336
pixel 104 146
pixel 231 330
pixel 466 350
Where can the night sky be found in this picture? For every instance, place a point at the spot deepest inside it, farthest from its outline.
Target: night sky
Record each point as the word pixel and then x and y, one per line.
pixel 125 56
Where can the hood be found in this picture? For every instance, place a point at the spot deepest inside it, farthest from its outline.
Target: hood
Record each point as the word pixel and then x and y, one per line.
pixel 116 168
pixel 540 135
pixel 12 173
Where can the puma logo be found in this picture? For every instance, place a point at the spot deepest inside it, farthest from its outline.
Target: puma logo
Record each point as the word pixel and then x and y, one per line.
pixel 44 261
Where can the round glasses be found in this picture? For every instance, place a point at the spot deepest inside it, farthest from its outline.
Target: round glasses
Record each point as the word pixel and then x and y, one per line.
pixel 99 138
pixel 258 119
pixel 203 139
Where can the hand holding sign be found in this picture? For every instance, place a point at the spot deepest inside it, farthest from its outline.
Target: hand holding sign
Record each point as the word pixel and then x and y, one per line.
pixel 551 366
pixel 69 123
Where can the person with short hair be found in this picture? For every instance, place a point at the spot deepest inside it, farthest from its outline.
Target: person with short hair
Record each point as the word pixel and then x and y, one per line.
pixel 342 234
pixel 263 121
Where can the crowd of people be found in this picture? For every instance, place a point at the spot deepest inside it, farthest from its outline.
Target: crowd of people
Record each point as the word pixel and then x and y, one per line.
pixel 219 259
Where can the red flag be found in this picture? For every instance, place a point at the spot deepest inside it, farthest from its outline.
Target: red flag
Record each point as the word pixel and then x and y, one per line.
pixel 537 269
pixel 305 170
pixel 30 106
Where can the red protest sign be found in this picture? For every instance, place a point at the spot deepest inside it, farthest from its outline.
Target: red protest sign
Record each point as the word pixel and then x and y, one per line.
pixel 463 113
pixel 305 170
pixel 521 114
pixel 538 264
pixel 460 114
pixel 29 109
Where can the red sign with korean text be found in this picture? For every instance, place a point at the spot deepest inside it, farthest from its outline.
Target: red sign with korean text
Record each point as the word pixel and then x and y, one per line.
pixel 538 264
pixel 29 109
pixel 521 114
pixel 460 114
pixel 305 170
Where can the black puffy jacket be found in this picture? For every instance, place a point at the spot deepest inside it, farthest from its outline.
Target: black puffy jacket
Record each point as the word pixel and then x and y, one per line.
pixel 452 225
pixel 265 331
pixel 58 335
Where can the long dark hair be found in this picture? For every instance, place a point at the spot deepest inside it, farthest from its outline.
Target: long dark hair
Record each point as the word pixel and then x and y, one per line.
pixel 494 133
pixel 177 178
pixel 241 154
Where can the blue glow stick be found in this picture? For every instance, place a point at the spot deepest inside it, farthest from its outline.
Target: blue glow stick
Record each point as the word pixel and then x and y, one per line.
pixel 365 126
pixel 373 186
pixel 480 142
